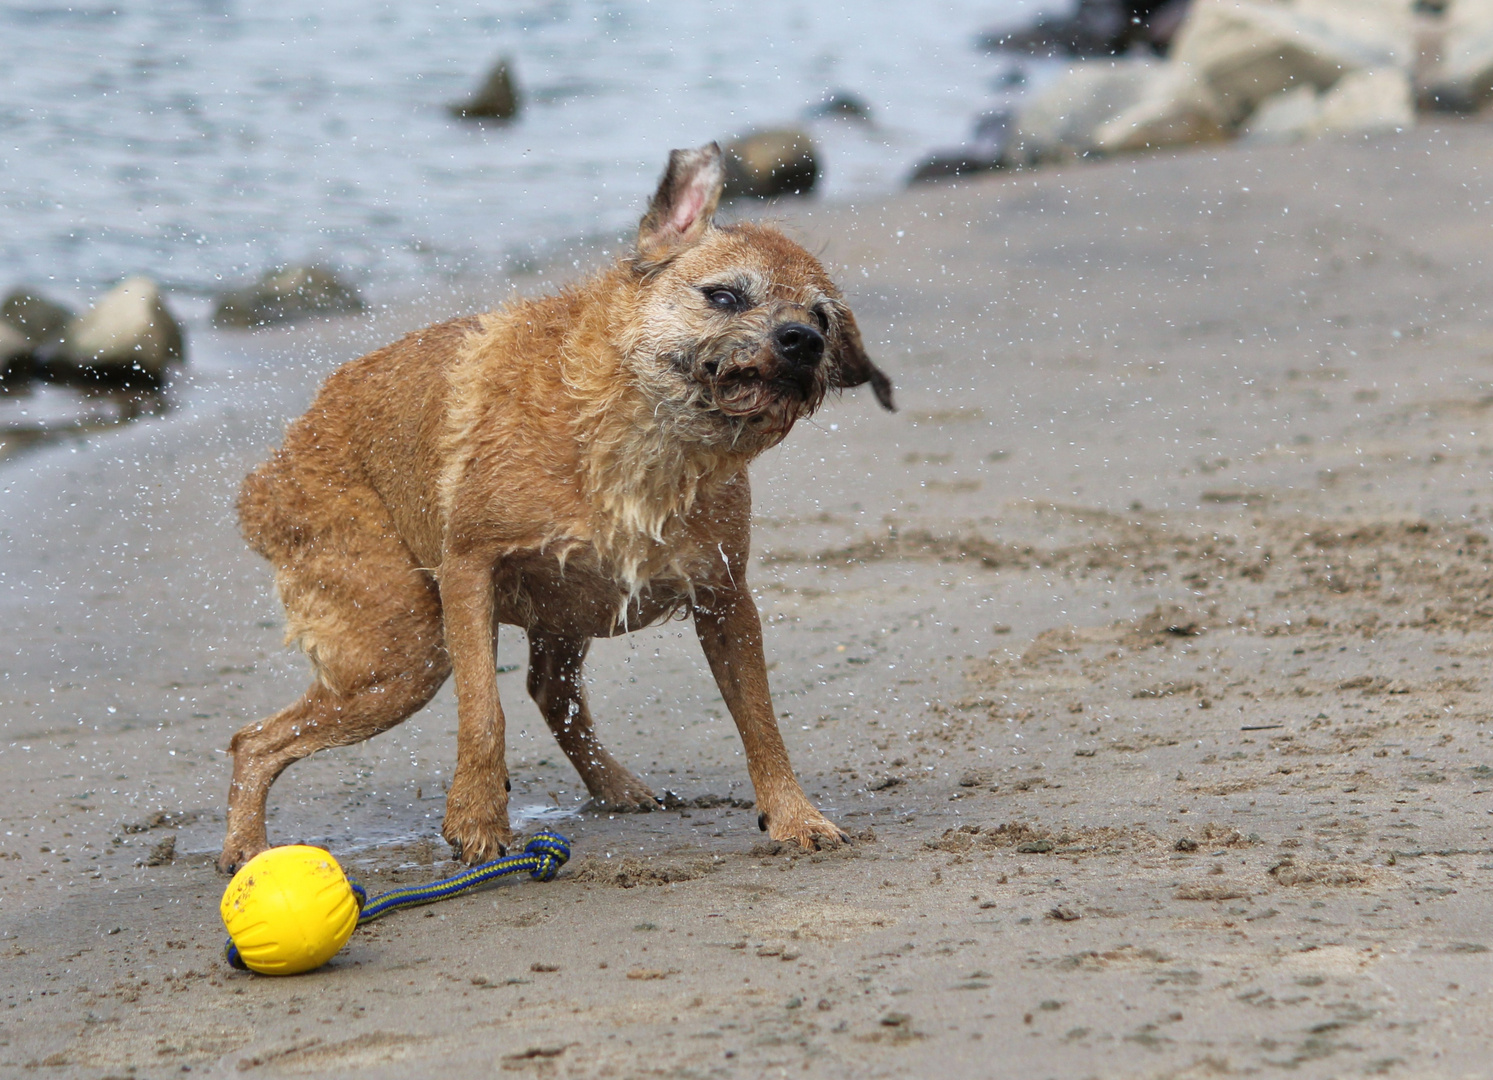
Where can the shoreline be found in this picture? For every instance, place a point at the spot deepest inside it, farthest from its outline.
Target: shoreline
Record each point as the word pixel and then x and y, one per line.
pixel 1171 538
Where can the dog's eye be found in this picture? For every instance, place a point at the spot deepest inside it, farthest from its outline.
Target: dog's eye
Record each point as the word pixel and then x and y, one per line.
pixel 725 299
pixel 822 318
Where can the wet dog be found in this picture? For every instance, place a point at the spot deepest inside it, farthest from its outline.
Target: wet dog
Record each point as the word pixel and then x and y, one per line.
pixel 575 465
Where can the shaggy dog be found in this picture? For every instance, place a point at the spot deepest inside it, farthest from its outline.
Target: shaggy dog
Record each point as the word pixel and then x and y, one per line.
pixel 575 465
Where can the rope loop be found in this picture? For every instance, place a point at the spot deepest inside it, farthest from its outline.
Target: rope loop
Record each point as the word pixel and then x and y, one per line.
pixel 551 850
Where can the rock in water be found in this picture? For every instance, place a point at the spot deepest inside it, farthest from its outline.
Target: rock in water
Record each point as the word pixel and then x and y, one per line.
pixel 292 292
pixel 496 99
pixel 985 150
pixel 1095 28
pixel 15 350
pixel 768 163
pixel 842 105
pixel 40 320
pixel 128 333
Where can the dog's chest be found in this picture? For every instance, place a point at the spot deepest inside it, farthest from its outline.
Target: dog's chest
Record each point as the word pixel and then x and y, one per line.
pixel 583 595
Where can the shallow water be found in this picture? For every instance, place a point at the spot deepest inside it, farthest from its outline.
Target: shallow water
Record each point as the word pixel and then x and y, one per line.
pixel 201 141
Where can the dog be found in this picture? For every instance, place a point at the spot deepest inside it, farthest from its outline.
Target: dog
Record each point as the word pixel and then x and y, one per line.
pixel 575 465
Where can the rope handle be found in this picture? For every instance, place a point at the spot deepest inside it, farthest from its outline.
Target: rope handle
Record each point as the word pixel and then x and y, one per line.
pixel 542 858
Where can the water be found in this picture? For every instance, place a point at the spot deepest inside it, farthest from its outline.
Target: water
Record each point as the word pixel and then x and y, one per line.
pixel 202 141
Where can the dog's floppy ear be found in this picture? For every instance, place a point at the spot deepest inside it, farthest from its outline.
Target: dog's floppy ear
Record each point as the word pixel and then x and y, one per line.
pixel 850 366
pixel 683 205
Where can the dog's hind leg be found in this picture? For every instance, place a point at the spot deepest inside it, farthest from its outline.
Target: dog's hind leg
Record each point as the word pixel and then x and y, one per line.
pixel 556 687
pixel 370 620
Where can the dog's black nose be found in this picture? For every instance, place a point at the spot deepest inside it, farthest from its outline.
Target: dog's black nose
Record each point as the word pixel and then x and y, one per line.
pixel 799 343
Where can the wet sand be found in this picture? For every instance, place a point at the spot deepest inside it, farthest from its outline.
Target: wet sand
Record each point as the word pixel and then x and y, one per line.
pixel 1145 651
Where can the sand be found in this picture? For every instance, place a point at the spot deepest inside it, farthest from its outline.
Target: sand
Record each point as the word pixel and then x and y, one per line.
pixel 1145 651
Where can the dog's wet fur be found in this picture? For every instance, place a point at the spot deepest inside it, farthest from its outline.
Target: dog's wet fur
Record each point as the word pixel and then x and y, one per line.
pixel 575 465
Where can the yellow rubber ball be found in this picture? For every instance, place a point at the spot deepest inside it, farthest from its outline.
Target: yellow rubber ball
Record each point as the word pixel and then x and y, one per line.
pixel 289 910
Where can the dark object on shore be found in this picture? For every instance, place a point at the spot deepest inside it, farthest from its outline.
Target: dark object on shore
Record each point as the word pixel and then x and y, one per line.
pixel 841 105
pixel 1096 28
pixel 767 163
pixel 37 319
pixel 985 151
pixel 292 292
pixel 496 99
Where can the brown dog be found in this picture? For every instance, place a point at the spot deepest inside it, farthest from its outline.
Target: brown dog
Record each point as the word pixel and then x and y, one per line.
pixel 575 465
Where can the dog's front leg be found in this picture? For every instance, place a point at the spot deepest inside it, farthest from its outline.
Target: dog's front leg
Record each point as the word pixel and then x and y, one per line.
pixel 476 823
pixel 731 635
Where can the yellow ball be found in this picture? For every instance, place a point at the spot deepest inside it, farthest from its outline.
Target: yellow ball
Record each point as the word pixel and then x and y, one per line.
pixel 289 910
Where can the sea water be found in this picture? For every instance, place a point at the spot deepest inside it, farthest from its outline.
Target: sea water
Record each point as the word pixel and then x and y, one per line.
pixel 204 141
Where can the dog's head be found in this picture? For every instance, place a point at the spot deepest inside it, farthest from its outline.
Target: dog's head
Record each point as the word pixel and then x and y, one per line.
pixel 738 320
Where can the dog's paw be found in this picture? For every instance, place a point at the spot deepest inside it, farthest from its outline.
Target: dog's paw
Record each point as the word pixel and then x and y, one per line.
pixel 475 845
pixel 805 826
pixel 476 823
pixel 628 796
pixel 235 855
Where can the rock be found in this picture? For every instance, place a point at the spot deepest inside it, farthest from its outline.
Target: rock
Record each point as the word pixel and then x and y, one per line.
pixel 1362 103
pixel 128 333
pixel 15 350
pixel 1175 109
pixel 1463 80
pixel 842 105
pixel 292 292
pixel 1288 116
pixel 986 150
pixel 1368 103
pixel 950 165
pixel 1231 56
pixel 767 163
pixel 1095 28
pixel 1061 120
pixel 40 320
pixel 1244 51
pixel 495 99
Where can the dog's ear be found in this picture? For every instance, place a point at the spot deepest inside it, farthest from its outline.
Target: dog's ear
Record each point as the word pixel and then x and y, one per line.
pixel 683 205
pixel 850 366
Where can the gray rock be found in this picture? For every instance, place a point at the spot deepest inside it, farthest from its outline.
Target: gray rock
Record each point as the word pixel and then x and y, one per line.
pixel 985 151
pixel 286 294
pixel 767 163
pixel 129 334
pixel 495 99
pixel 842 105
pixel 39 319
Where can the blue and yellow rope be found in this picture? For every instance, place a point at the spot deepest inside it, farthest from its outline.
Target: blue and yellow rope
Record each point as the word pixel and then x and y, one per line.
pixel 542 858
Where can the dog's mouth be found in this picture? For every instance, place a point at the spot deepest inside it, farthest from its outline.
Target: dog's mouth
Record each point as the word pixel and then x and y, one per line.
pixel 768 402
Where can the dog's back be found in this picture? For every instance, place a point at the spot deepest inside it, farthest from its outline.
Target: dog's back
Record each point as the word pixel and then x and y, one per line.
pixel 376 423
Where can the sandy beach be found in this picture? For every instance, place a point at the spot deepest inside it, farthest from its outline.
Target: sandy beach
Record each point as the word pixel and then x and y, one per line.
pixel 1145 652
